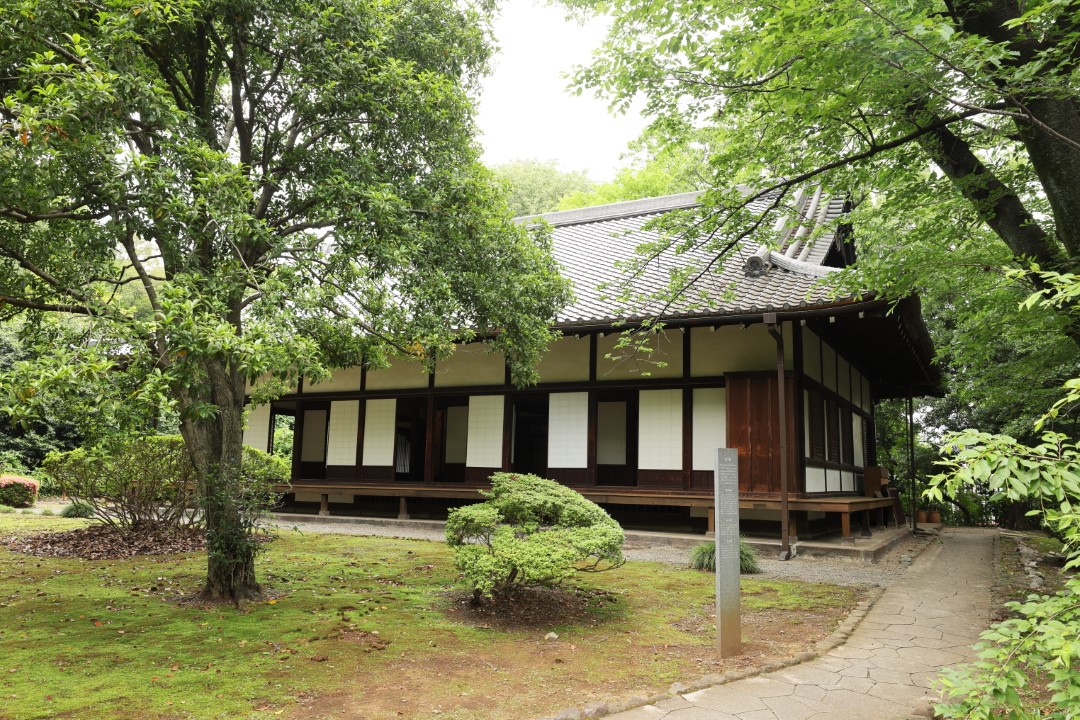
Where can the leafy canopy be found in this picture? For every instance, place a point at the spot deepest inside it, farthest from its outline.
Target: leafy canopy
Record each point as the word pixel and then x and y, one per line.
pixel 245 191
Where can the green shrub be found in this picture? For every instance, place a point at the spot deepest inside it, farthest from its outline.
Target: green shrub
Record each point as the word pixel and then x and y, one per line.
pixel 78 509
pixel 151 480
pixel 530 532
pixel 703 557
pixel 6 509
pixel 18 491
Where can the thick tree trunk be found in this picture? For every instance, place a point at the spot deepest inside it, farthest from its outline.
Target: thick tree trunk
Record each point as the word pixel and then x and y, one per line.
pixel 216 446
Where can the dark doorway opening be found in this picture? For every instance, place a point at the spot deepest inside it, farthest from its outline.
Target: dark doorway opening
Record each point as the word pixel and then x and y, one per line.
pixel 529 453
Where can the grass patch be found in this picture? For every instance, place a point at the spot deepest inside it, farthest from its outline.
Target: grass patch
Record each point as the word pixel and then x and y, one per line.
pixel 366 624
pixel 1043 543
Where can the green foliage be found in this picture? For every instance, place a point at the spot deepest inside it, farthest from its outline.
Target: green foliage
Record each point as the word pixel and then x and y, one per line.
pixel 1041 635
pixel 77 509
pixel 247 192
pixel 703 557
pixel 530 532
pixel 284 432
pixel 537 187
pixel 6 509
pixel 657 170
pixel 151 480
pixel 18 491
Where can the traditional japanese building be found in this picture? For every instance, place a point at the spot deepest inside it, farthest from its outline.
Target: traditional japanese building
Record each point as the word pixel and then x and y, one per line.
pixel 639 436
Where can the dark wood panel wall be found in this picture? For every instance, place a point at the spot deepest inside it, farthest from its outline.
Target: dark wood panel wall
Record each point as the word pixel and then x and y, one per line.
pixel 753 427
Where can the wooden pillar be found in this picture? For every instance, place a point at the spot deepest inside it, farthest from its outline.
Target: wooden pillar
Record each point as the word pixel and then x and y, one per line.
pixel 687 438
pixel 430 442
pixel 687 415
pixel 710 527
pixel 508 431
pixel 590 443
pixel 324 504
pixel 864 523
pixel 403 508
pixel 298 438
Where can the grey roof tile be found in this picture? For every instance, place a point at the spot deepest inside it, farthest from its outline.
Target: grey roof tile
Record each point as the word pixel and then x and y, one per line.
pixel 588 243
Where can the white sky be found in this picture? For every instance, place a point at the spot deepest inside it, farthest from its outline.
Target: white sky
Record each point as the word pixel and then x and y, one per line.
pixel 526 111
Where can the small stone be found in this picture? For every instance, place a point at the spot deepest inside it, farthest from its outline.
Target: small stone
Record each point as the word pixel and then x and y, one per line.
pixel 678 688
pixel 569 714
pixel 595 710
pixel 551 637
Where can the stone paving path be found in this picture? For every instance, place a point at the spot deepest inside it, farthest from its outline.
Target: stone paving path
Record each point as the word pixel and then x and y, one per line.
pixel 924 621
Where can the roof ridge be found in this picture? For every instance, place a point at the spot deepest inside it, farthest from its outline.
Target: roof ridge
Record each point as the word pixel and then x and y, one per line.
pixel 619 210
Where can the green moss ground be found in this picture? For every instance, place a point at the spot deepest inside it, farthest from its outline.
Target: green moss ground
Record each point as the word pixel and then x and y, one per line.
pixel 111 639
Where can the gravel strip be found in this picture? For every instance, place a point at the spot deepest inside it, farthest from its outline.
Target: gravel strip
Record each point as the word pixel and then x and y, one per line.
pixel 838 571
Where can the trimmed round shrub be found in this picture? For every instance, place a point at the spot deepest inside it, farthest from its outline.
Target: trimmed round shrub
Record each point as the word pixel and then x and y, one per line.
pixel 530 532
pixel 703 557
pixel 18 491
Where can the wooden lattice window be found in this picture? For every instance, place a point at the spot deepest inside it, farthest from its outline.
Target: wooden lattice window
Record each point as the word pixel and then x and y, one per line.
pixel 832 431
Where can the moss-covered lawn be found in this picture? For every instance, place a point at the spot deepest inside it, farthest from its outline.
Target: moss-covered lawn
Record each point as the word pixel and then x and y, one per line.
pixel 110 639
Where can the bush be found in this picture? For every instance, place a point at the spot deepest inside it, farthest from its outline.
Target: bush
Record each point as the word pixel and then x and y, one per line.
pixel 703 557
pixel 151 480
pixel 530 532
pixel 18 491
pixel 78 509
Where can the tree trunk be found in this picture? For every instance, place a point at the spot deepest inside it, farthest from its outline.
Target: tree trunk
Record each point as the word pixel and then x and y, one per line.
pixel 215 443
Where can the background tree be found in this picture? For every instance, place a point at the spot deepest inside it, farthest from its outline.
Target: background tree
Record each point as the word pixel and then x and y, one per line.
pixel 949 112
pixel 536 187
pixel 291 186
pixel 656 169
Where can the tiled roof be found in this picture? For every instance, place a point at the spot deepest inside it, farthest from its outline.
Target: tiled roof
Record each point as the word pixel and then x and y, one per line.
pixel 587 243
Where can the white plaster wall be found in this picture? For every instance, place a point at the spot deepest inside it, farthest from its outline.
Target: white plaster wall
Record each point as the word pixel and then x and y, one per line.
pixel 660 430
pixel 457 433
pixel 611 433
pixel 815 479
pixel 857 446
pixel 316 497
pixel 811 354
pixel 485 431
pixel 380 423
pixel 732 348
pixel 847 481
pixel 568 430
pixel 257 427
pixel 667 348
pixel 828 367
pixel 340 379
pixel 832 480
pixel 566 360
pixel 341 444
pixel 402 374
pixel 710 426
pixel 843 372
pixel 313 444
pixel 868 402
pixel 471 364
pixel 856 388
